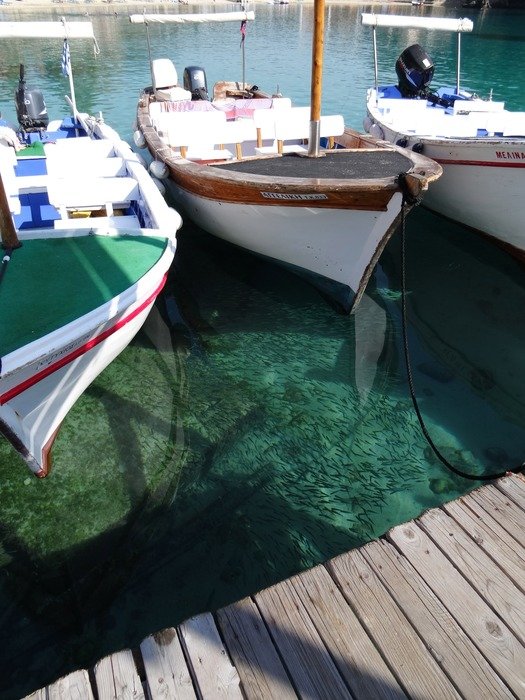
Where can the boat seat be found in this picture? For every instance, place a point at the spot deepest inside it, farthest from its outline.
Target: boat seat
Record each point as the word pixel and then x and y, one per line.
pixel 99 222
pixel 234 134
pixel 197 135
pixel 60 165
pixel 92 193
pixel 165 81
pixel 81 147
pixel 293 126
pixel 477 106
pixel 514 124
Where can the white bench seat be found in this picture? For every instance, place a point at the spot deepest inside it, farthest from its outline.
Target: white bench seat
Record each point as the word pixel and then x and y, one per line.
pixel 99 222
pixel 195 134
pixel 60 165
pixel 92 193
pixel 81 147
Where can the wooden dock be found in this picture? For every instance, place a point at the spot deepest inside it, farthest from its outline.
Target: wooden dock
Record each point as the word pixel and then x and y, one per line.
pixel 433 610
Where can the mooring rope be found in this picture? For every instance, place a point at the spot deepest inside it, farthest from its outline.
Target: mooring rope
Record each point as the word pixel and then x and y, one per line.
pixel 409 199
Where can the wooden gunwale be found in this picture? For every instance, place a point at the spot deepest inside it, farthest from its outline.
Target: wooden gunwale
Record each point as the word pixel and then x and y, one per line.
pixel 214 183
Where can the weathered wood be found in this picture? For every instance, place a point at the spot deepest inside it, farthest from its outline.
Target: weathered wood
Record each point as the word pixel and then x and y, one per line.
pixel 117 678
pixel 486 577
pixel 166 670
pixel 40 694
pixel 307 660
pixel 76 686
pixel 251 649
pixel 488 534
pixel 503 509
pixel 409 659
pixel 513 487
pixel 8 237
pixel 465 666
pixel 492 637
pixel 208 659
pixel 354 653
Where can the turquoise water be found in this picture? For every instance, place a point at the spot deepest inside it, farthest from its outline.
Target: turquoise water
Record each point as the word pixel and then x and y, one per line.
pixel 250 431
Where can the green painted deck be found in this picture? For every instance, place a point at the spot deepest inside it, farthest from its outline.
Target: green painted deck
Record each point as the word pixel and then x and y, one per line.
pixel 51 282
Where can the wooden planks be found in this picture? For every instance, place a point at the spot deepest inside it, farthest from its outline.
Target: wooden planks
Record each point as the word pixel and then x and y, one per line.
pixel 435 609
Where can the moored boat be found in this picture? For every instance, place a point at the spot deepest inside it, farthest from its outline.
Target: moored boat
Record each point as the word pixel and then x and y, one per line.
pixel 88 241
pixel 479 143
pixel 282 181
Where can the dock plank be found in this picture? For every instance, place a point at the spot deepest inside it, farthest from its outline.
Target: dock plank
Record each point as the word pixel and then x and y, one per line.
pixel 166 671
pixel 209 662
pixel 513 487
pixel 408 657
pixel 251 649
pixel 75 686
pixel 502 508
pixel 485 628
pixel 117 678
pixel 355 655
pixel 488 534
pixel 471 674
pixel 433 609
pixel 478 568
pixel 307 660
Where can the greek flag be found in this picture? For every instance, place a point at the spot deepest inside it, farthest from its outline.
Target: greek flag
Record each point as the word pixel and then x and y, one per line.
pixel 66 60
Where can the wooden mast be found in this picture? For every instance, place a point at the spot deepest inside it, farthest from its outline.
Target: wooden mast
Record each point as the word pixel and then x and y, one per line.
pixel 317 77
pixel 7 227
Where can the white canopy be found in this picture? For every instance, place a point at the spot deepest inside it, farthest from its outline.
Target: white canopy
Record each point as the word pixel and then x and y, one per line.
pixel 44 30
pixel 183 19
pixel 438 23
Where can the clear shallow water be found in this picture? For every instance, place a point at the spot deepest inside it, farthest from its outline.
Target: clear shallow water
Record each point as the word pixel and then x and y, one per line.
pixel 250 431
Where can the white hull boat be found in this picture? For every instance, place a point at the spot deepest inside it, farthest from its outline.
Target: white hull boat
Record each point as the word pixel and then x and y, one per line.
pixel 283 182
pixel 479 144
pixel 88 241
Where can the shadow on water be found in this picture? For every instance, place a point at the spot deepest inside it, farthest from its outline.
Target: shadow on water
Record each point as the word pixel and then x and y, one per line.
pixel 249 432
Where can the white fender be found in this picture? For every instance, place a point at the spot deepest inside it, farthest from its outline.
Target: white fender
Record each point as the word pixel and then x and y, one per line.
pixel 138 139
pixel 367 123
pixel 159 169
pixel 376 131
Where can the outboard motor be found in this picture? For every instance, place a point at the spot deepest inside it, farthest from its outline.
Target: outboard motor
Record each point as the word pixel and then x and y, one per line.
pixel 415 71
pixel 31 109
pixel 195 82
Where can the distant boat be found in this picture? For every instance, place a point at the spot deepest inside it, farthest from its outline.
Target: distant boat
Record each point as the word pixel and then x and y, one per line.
pixel 281 181
pixel 88 240
pixel 479 143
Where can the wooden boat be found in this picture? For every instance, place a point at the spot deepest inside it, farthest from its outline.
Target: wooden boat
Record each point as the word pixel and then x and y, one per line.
pixel 479 143
pixel 88 240
pixel 283 182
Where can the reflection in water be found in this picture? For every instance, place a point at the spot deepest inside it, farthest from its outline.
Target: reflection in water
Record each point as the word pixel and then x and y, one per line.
pixel 250 432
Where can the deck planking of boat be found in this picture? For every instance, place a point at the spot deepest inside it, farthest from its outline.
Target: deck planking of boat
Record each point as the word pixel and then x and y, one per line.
pixel 433 609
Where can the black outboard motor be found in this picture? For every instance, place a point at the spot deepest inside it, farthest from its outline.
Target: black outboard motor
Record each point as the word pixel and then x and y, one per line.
pixel 415 71
pixel 195 82
pixel 31 109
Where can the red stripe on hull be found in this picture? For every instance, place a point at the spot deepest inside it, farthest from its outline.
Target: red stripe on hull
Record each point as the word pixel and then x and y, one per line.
pixel 82 350
pixel 479 163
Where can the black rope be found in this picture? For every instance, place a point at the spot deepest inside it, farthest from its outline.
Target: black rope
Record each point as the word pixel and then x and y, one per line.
pixel 439 455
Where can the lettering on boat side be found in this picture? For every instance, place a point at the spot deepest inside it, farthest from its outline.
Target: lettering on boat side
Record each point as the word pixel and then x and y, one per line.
pixel 282 195
pixel 511 155
pixel 63 351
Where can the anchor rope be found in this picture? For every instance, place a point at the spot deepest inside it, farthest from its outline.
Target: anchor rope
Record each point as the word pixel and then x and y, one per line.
pixel 409 199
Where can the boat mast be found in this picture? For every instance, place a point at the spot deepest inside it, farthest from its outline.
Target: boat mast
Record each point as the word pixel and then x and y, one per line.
pixel 317 78
pixel 7 227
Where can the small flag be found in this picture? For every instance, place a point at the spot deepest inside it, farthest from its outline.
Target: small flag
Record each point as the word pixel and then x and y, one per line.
pixel 66 59
pixel 243 31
